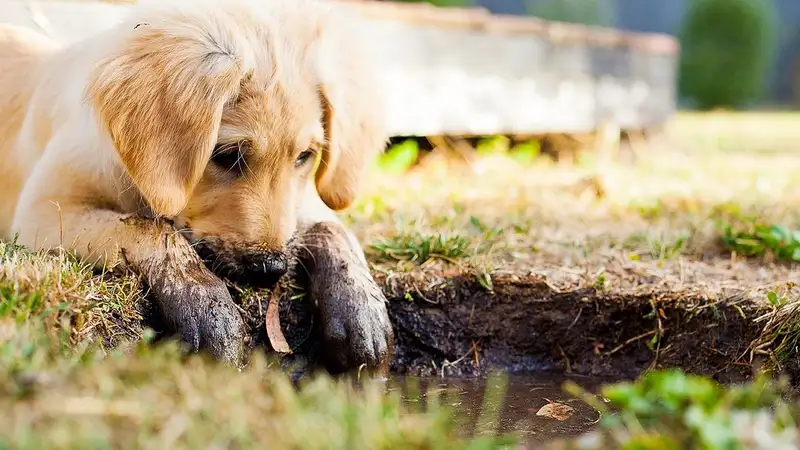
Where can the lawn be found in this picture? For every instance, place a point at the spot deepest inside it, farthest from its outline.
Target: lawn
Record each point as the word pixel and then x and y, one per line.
pixel 698 220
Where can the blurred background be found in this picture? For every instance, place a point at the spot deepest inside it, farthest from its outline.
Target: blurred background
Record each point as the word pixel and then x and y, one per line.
pixel 752 45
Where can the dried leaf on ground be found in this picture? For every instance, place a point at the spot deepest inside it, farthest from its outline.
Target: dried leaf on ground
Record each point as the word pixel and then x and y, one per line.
pixel 554 410
pixel 276 338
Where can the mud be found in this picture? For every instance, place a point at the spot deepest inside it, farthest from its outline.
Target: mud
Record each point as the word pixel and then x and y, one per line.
pixel 456 327
pixel 503 405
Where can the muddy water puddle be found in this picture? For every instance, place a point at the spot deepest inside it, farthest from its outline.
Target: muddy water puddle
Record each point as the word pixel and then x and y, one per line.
pixel 505 404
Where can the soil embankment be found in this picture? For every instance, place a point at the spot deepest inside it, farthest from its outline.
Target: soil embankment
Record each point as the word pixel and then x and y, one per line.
pixel 458 327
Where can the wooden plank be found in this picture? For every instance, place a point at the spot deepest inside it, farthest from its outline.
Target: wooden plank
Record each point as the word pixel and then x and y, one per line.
pixel 467 72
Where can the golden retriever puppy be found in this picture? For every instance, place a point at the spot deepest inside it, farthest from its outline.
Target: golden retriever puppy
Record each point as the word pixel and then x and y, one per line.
pixel 196 140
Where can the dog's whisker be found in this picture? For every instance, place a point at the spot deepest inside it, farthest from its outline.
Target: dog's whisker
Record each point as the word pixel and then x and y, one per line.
pixel 312 246
pixel 197 243
pixel 305 247
pixel 303 266
pixel 241 159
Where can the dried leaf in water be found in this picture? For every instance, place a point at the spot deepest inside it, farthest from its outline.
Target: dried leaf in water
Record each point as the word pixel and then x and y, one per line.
pixel 558 411
pixel 276 338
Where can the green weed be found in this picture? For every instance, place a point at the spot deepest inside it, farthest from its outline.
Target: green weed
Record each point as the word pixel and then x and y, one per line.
pixel 600 281
pixel 419 247
pixel 673 410
pixel 777 240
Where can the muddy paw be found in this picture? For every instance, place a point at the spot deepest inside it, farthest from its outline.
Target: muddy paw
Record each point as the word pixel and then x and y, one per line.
pixel 217 327
pixel 203 315
pixel 356 330
pixel 355 326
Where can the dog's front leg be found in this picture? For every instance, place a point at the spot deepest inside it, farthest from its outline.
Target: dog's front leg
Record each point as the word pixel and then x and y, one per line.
pixel 352 308
pixel 193 302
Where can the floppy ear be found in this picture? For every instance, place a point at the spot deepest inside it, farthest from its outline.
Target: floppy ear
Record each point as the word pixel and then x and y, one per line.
pixel 161 99
pixel 353 114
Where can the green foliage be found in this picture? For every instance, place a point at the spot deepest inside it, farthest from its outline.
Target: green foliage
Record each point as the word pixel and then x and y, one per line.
pixel 399 157
pixel 601 281
pixel 726 50
pixel 673 410
pixel 524 152
pixel 67 296
pixel 585 12
pixel 420 247
pixel 780 329
pixel 416 243
pixel 778 240
pixel 493 145
pixel 775 299
pixel 488 234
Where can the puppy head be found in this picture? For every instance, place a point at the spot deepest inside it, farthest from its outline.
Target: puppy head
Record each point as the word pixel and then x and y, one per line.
pixel 218 114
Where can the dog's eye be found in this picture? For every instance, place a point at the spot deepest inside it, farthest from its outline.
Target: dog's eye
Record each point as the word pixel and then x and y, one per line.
pixel 229 157
pixel 303 157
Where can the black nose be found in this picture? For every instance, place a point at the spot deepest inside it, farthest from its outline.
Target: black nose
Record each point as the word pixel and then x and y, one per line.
pixel 264 269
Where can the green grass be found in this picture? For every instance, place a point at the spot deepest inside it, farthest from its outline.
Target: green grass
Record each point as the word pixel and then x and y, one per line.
pixel 420 248
pixel 777 240
pixel 667 410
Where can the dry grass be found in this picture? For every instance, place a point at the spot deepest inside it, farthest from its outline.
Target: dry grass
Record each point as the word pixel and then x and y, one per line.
pixel 653 224
pixel 740 131
pixel 62 388
pixel 60 292
pixel 149 398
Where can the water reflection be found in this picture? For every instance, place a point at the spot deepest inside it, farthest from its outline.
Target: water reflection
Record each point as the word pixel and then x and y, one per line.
pixel 502 403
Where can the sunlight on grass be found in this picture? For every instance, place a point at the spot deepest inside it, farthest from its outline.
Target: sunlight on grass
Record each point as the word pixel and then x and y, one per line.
pixel 419 248
pixel 140 396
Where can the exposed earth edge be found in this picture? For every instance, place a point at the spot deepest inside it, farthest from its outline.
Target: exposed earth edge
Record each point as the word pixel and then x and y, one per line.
pixel 454 325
